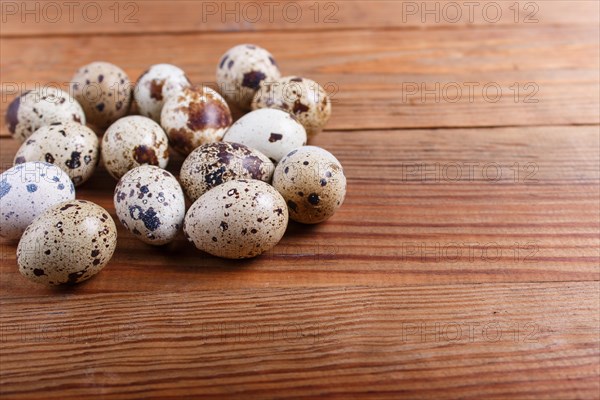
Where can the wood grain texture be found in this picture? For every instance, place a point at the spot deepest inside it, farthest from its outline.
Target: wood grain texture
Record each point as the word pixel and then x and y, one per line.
pixel 89 17
pixel 380 80
pixel 465 262
pixel 526 341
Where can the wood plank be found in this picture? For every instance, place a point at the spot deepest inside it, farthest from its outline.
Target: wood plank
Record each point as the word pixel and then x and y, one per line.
pixel 381 77
pixel 526 341
pixel 102 17
pixel 408 219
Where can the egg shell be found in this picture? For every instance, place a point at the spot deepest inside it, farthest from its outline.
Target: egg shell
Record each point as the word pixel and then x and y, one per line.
pixel 195 116
pixel 150 204
pixel 69 243
pixel 238 219
pixel 133 141
pixel 242 69
pixel 302 97
pixel 312 182
pixel 157 84
pixel 104 91
pixel 26 191
pixel 71 146
pixel 215 163
pixel 36 108
pixel 272 132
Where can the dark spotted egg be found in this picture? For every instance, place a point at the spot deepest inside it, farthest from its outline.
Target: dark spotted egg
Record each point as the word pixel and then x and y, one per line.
pixel 71 146
pixel 133 141
pixel 312 182
pixel 241 71
pixel 301 97
pixel 195 116
pixel 39 107
pixel 69 243
pixel 149 202
pixel 272 132
pixel 104 91
pixel 238 219
pixel 215 163
pixel 26 191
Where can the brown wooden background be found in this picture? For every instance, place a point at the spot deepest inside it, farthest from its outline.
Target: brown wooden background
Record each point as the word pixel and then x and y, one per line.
pixel 422 286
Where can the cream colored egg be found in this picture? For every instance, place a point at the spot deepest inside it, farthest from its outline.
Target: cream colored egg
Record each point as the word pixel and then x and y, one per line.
pixel 241 71
pixel 155 86
pixel 215 163
pixel 238 219
pixel 150 203
pixel 26 191
pixel 71 146
pixel 272 132
pixel 312 182
pixel 39 107
pixel 133 141
pixel 195 116
pixel 104 91
pixel 302 97
pixel 68 243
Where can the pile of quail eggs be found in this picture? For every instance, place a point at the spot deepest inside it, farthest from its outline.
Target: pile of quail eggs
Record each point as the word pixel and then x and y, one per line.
pixel 244 178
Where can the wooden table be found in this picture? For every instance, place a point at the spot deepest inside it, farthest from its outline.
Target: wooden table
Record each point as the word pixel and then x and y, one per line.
pixel 463 264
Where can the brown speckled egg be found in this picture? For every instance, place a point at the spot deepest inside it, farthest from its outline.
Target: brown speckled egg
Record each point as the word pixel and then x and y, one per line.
pixel 238 219
pixel 312 182
pixel 39 107
pixel 241 71
pixel 71 146
pixel 104 91
pixel 195 116
pixel 302 97
pixel 158 83
pixel 215 163
pixel 68 243
pixel 133 141
pixel 272 132
pixel 150 204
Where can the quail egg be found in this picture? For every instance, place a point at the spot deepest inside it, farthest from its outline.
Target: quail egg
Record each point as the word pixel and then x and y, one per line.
pixel 241 71
pixel 238 219
pixel 104 91
pixel 71 146
pixel 69 243
pixel 272 132
pixel 157 84
pixel 43 106
pixel 312 182
pixel 195 116
pixel 133 141
pixel 26 190
pixel 214 163
pixel 150 204
pixel 302 97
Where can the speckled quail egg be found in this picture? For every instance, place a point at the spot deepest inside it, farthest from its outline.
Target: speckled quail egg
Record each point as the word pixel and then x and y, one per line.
pixel 272 132
pixel 27 190
pixel 104 91
pixel 71 146
pixel 69 243
pixel 214 163
pixel 150 204
pixel 238 219
pixel 157 84
pixel 302 97
pixel 312 182
pixel 133 141
pixel 195 116
pixel 241 71
pixel 43 106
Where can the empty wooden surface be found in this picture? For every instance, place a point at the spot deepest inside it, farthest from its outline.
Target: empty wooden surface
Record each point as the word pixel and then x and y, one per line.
pixel 463 264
